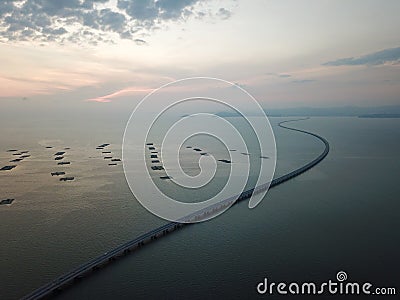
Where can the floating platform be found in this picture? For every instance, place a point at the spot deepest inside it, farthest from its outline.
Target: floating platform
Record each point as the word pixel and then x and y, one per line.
pixel 17 160
pixel 64 163
pixel 157 168
pixel 103 145
pixel 225 161
pixel 67 179
pixel 6 201
pixel 7 168
pixel 57 173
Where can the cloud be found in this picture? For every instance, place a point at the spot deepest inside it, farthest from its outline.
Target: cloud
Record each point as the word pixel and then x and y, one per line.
pixel 279 75
pixel 92 21
pixel 140 11
pixel 140 42
pixel 124 92
pixel 391 55
pixel 224 13
pixel 301 81
pixel 110 20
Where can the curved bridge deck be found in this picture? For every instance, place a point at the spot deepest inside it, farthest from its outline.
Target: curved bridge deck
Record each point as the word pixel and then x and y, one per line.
pixel 94 264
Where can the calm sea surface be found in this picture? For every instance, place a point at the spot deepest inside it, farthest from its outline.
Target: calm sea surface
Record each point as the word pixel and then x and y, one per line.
pixel 341 215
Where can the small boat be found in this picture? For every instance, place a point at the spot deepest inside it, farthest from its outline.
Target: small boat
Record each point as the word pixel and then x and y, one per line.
pixel 152 148
pixel 197 149
pixel 113 164
pixel 24 152
pixel 116 159
pixel 64 163
pixel 165 177
pixel 25 156
pixel 107 157
pixel 106 152
pixel 155 161
pixel 153 156
pixel 149 144
pixel 59 158
pixel 59 153
pixel 12 150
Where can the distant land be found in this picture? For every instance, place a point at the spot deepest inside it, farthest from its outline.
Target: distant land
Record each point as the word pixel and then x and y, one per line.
pixel 392 111
pixel 380 116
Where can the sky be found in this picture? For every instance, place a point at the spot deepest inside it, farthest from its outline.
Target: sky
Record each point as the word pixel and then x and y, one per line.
pixel 285 53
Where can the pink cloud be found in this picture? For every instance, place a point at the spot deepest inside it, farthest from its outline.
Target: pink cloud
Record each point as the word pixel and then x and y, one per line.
pixel 124 92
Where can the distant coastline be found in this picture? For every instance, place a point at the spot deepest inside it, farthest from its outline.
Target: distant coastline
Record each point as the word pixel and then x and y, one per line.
pixel 390 111
pixel 380 116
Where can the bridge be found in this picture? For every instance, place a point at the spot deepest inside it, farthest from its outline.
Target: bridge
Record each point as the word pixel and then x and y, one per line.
pixel 91 266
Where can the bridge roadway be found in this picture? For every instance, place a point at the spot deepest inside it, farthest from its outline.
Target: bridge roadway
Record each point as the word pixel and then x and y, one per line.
pixel 94 264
